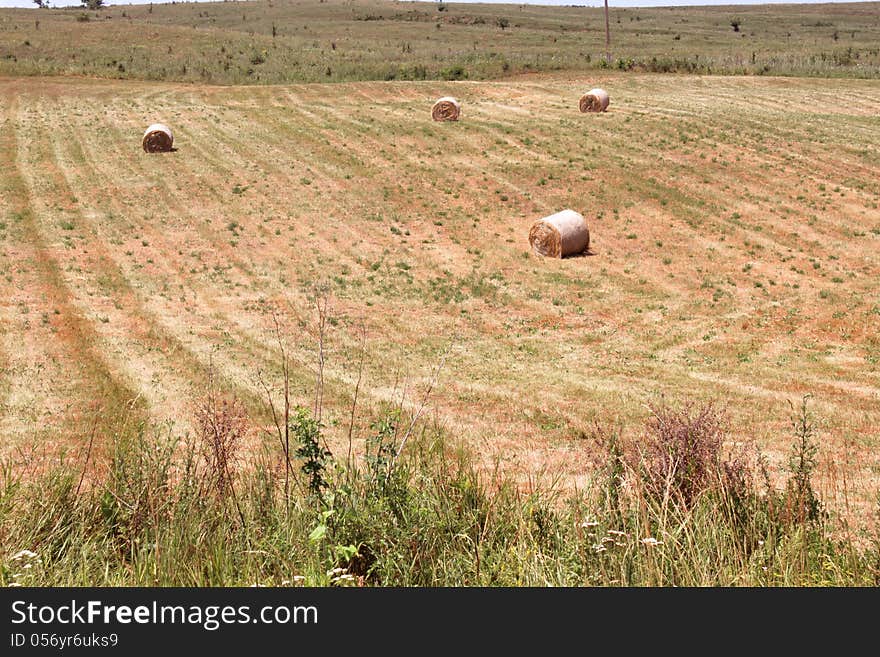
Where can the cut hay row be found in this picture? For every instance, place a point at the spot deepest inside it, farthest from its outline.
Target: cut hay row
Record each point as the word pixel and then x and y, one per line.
pixel 158 138
pixel 559 235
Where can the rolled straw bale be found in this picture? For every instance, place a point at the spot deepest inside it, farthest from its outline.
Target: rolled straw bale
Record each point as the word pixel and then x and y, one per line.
pixel 446 109
pixel 595 100
pixel 559 235
pixel 158 139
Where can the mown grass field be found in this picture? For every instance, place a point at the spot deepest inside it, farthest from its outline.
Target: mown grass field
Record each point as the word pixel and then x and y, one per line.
pixel 734 222
pixel 734 261
pixel 314 41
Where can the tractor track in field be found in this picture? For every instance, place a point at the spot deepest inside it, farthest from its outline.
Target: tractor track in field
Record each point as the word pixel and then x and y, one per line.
pixel 60 371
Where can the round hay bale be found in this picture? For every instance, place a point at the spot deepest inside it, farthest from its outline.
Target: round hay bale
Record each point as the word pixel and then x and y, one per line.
pixel 595 100
pixel 559 235
pixel 158 139
pixel 446 109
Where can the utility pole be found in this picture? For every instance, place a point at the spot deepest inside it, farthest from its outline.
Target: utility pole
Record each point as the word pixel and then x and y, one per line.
pixel 607 35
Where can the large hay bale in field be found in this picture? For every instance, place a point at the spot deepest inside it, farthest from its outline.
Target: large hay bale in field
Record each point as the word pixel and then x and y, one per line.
pixel 595 100
pixel 158 139
pixel 446 109
pixel 559 235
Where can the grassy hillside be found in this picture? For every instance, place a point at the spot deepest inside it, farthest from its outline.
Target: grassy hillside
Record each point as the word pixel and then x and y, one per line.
pixel 314 41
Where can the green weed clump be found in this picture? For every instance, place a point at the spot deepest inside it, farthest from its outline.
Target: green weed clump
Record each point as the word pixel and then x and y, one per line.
pixel 411 510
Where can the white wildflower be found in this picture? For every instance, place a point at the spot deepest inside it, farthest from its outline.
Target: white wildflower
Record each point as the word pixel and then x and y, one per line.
pixel 341 577
pixel 651 541
pixel 24 554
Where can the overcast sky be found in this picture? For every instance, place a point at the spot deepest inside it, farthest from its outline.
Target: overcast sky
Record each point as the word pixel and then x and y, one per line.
pixel 588 3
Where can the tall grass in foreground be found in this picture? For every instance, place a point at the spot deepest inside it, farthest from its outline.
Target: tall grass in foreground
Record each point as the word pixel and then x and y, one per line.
pixel 678 511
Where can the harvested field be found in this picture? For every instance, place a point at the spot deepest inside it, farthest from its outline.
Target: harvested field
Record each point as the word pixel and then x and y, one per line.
pixel 734 222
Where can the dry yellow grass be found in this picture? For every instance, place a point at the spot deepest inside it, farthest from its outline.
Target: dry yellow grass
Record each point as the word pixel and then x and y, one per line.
pixel 267 42
pixel 735 224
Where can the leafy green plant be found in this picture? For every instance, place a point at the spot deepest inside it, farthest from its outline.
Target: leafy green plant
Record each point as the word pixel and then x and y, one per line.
pixel 381 448
pixel 315 457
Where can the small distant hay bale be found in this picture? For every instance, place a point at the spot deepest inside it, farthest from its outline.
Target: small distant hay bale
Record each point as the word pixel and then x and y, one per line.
pixel 560 235
pixel 595 100
pixel 446 109
pixel 158 139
